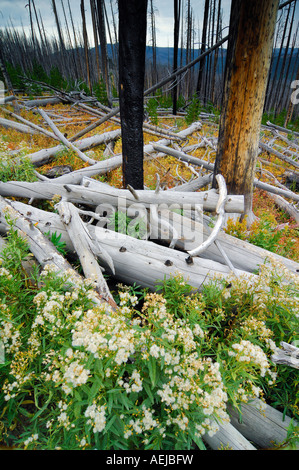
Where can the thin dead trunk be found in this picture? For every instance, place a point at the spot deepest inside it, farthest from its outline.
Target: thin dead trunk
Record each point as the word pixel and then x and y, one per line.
pixel 86 47
pixel 203 47
pixel 177 13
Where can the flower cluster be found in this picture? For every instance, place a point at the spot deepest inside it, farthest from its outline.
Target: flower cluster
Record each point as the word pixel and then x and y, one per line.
pixel 131 377
pixel 97 417
pixel 247 352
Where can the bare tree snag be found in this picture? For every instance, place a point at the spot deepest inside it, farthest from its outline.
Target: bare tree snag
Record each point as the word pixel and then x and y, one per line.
pixel 252 26
pixel 132 42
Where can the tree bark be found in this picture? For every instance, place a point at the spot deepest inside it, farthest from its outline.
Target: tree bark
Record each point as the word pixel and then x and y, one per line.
pixel 252 26
pixel 132 42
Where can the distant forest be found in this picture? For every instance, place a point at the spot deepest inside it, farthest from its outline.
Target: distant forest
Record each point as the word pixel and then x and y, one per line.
pixel 67 60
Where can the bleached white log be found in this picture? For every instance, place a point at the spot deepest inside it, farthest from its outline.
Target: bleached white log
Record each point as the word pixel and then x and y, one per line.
pixel 40 246
pixel 208 199
pixel 228 438
pixel 97 193
pixel 147 127
pixel 275 190
pixel 64 140
pixel 41 102
pixel 210 166
pixel 261 423
pixel 135 261
pixel 243 255
pixel 7 99
pixel 195 184
pixel 183 156
pixel 85 247
pixel 43 156
pixel 282 129
pixel 281 156
pixel 286 206
pixel 31 124
pixel 8 124
pixel 287 355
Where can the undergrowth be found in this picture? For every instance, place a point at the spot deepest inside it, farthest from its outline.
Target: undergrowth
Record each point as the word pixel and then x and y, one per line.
pixel 157 373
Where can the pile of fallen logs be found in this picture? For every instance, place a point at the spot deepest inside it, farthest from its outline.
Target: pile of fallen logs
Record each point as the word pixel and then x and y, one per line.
pixel 178 235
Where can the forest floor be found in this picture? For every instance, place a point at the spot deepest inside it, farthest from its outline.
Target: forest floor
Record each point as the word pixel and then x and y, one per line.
pixel 26 423
pixel 274 229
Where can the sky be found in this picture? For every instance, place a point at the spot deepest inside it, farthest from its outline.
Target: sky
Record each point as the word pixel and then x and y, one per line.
pixel 16 12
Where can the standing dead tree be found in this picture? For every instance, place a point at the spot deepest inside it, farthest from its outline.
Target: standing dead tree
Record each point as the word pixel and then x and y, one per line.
pixel 252 27
pixel 132 42
pixel 177 4
pixel 85 38
pixel 203 46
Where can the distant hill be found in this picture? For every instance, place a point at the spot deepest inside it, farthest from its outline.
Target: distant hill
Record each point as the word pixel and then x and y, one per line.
pixel 164 57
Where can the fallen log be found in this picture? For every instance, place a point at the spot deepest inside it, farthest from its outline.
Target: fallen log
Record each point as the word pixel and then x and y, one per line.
pixel 210 166
pixel 274 190
pixel 286 206
pixel 8 124
pixel 41 247
pixel 261 423
pixel 282 129
pixel 228 438
pixel 42 157
pixel 243 255
pixel 287 355
pixel 85 248
pixel 135 261
pixel 281 156
pixel 7 99
pixel 207 199
pixel 148 128
pixel 41 102
pixel 64 140
pixel 95 193
pixel 195 184
pixel 112 163
pixel 31 124
pixel 183 156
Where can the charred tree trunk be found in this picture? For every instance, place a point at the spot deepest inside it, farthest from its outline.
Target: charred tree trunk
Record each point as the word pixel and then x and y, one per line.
pixel 132 42
pixel 85 38
pixel 177 14
pixel 203 46
pixel 103 44
pixel 252 26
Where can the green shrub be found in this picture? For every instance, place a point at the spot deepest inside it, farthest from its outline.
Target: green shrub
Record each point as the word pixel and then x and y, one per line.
pixel 10 171
pixel 193 110
pixel 150 375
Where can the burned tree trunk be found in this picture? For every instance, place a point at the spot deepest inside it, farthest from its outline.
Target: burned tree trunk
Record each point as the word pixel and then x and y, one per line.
pixel 177 14
pixel 132 42
pixel 252 26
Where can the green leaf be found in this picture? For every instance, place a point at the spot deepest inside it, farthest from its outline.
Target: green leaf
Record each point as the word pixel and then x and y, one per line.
pixel 152 366
pixel 149 392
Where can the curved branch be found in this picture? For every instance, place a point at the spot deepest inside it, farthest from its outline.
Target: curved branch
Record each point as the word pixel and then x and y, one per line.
pixel 220 211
